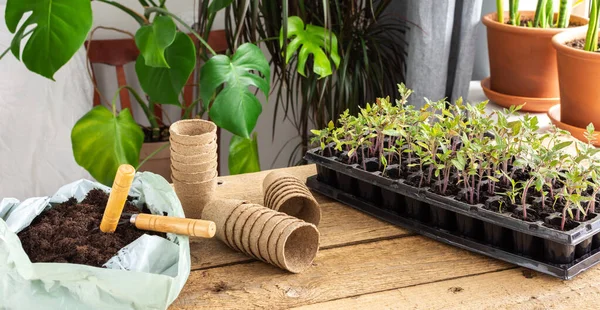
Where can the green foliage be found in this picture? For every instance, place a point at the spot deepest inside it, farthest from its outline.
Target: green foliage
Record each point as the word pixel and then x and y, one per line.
pixel 591 38
pixel 462 144
pixel 311 40
pixel 235 107
pixel 61 27
pixel 103 140
pixel 544 13
pixel 243 155
pixel 372 53
pixel 164 84
pixel 152 41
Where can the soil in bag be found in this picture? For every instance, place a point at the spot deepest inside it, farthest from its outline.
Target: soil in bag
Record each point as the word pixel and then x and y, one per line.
pixel 66 233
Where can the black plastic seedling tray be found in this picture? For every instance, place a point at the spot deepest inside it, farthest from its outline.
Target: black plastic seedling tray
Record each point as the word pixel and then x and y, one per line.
pixel 562 254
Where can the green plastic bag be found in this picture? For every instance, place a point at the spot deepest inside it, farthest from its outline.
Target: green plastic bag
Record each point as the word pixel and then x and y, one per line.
pixel 149 273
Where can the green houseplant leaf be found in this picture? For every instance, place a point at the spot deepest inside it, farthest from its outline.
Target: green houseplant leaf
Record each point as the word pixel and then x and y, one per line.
pixel 243 155
pixel 152 40
pixel 235 108
pixel 102 141
pixel 164 85
pixel 313 40
pixel 61 28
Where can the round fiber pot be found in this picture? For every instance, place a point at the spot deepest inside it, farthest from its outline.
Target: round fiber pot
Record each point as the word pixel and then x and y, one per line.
pixel 578 73
pixel 194 150
pixel 193 131
pixel 193 159
pixel 522 59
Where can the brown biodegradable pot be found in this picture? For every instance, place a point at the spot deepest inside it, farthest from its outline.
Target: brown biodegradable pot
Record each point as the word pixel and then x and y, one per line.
pixel 283 195
pixel 240 223
pixel 195 188
pixel 194 168
pixel 193 131
pixel 266 235
pixel 578 73
pixel 194 205
pixel 522 60
pixel 257 230
pixel 250 224
pixel 277 232
pixel 297 247
pixel 276 175
pixel 160 162
pixel 230 225
pixel 192 150
pixel 276 189
pixel 219 211
pixel 302 207
pixel 193 159
pixel 194 177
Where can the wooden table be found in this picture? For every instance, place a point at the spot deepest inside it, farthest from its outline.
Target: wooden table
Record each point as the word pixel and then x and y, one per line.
pixel 364 263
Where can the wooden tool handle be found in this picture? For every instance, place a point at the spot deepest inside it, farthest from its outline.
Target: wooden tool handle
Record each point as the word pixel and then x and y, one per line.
pixel 117 198
pixel 176 225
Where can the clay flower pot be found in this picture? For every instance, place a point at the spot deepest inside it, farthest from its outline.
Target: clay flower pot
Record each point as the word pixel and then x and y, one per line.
pixel 523 63
pixel 578 74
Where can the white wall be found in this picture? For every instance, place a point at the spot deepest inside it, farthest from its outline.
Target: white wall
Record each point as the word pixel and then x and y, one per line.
pixel 108 16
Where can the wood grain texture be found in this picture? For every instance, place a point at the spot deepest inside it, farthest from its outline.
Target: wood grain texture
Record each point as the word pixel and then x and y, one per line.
pixel 508 289
pixel 336 273
pixel 340 225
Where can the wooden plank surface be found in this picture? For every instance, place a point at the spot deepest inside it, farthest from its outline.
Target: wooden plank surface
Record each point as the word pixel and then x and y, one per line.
pixel 336 273
pixel 517 288
pixel 340 225
pixel 365 263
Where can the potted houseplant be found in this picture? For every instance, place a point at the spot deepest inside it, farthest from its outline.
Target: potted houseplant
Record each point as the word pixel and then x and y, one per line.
pixel 103 139
pixel 578 72
pixel 522 60
pixel 453 170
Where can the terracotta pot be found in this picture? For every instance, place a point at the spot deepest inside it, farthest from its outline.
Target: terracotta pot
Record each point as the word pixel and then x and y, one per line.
pixel 578 73
pixel 522 59
pixel 160 163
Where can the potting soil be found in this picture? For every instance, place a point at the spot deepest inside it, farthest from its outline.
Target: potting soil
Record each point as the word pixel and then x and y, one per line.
pixel 67 233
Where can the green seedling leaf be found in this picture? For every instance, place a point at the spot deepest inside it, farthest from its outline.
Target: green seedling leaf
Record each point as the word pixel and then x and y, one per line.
pixel 562 145
pixel 243 155
pixel 164 85
pixel 102 142
pixel 152 41
pixel 315 40
pixel 235 108
pixel 61 27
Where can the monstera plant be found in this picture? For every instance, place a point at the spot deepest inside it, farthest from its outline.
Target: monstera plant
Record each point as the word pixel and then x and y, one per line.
pixel 104 138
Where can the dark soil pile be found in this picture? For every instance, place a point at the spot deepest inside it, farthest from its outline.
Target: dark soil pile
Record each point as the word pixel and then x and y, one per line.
pixel 66 233
pixel 579 44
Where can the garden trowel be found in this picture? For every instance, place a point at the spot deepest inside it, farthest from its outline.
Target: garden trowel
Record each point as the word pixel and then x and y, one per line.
pixel 113 214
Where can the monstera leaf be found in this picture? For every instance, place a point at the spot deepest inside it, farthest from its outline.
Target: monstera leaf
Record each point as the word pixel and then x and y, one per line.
pixel 152 40
pixel 235 108
pixel 103 141
pixel 164 85
pixel 61 27
pixel 243 155
pixel 313 40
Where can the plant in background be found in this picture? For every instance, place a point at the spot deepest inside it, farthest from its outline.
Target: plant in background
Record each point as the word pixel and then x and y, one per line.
pixel 320 87
pixel 104 139
pixel 591 38
pixel 544 13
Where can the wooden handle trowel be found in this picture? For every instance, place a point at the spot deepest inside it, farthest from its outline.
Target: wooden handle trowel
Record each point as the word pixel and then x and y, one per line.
pixel 113 213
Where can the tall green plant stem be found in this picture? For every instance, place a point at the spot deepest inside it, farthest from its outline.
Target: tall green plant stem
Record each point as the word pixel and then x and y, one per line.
pixel 564 14
pixel 500 9
pixel 513 8
pixel 591 39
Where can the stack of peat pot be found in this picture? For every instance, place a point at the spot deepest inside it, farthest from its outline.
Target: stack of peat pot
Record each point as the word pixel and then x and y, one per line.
pixel 194 163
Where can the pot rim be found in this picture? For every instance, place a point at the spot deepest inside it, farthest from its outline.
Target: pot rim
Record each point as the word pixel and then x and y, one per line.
pixel 559 40
pixel 489 20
